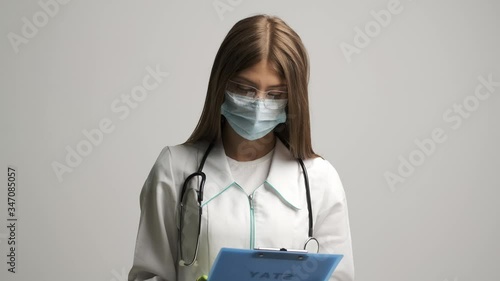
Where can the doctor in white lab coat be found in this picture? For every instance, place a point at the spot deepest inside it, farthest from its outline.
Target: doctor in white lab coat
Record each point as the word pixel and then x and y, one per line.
pixel 257 118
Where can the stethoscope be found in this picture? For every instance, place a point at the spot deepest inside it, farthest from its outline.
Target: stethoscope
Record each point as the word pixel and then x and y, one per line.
pixel 311 244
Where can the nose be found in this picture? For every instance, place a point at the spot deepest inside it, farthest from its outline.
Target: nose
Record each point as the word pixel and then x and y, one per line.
pixel 260 95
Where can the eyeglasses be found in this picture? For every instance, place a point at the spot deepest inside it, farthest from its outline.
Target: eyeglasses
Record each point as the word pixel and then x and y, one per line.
pixel 250 91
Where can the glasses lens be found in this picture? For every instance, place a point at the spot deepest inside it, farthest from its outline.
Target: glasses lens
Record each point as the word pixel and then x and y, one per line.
pixel 241 89
pixel 190 225
pixel 274 99
pixel 275 102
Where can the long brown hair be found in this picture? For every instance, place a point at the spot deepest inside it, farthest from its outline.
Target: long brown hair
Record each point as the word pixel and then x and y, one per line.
pixel 250 40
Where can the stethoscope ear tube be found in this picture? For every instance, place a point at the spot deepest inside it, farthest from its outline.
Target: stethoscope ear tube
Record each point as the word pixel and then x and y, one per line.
pixel 200 168
pixel 308 195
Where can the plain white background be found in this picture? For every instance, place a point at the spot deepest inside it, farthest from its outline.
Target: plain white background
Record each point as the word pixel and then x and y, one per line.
pixel 368 111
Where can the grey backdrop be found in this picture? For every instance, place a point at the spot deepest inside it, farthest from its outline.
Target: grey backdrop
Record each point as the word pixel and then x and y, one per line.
pixel 400 105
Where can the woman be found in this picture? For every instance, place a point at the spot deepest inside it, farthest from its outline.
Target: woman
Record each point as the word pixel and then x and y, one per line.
pixel 253 129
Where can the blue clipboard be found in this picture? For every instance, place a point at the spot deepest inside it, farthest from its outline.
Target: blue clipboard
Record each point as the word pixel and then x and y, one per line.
pixel 272 264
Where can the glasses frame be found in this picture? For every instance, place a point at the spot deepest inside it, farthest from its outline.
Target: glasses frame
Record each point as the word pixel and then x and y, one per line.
pixel 258 90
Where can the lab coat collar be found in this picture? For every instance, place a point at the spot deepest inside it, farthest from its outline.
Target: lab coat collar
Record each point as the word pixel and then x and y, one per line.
pixel 283 177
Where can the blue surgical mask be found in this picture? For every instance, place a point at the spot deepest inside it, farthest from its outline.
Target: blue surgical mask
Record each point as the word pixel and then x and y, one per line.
pixel 253 118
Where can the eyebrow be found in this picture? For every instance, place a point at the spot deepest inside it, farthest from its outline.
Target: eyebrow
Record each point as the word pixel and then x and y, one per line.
pixel 255 85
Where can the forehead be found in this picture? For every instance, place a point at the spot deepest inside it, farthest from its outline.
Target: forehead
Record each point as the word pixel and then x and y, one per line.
pixel 260 75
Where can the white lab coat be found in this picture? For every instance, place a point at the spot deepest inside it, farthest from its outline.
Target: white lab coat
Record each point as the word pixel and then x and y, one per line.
pixel 279 218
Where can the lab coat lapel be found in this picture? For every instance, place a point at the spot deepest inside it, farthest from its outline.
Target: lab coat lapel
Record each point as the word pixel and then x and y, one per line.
pixel 218 173
pixel 285 176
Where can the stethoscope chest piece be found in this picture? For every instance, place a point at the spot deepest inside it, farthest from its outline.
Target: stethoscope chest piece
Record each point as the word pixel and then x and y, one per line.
pixel 312 245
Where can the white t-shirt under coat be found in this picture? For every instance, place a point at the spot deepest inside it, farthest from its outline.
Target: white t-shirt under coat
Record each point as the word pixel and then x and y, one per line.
pixel 250 174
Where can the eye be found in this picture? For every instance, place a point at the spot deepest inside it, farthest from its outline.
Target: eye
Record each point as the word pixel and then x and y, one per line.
pixel 245 90
pixel 277 94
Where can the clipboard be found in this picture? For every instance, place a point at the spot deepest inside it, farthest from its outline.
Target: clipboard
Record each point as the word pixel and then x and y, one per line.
pixel 272 264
